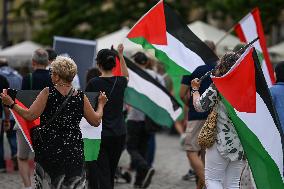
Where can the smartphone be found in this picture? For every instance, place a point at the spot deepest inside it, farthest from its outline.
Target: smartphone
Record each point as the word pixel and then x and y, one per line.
pixel 12 93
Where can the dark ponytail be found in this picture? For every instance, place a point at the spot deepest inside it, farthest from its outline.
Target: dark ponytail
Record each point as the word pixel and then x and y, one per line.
pixel 106 59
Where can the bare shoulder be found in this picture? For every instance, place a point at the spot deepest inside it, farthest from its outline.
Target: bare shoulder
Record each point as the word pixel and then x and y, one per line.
pixel 45 91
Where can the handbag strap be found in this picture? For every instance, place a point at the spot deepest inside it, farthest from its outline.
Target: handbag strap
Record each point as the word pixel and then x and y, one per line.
pixel 112 87
pixel 70 93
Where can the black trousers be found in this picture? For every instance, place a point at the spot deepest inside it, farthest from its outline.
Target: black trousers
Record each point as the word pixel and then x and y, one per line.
pixel 137 144
pixel 101 172
pixel 92 177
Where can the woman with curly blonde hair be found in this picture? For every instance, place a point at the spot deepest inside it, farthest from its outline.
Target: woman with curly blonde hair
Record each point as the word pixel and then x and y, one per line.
pixel 58 140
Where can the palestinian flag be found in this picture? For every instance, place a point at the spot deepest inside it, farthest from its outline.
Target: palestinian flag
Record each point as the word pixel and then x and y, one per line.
pixel 249 28
pixel 92 140
pixel 25 99
pixel 175 45
pixel 145 93
pixel 249 105
pixel 25 125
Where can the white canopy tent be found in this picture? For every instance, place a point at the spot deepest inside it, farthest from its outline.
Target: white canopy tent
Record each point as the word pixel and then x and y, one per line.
pixel 20 54
pixel 115 39
pixel 207 32
pixel 277 49
pixel 277 52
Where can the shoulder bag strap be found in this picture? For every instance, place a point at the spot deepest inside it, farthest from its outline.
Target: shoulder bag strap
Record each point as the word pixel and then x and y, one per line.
pixel 112 87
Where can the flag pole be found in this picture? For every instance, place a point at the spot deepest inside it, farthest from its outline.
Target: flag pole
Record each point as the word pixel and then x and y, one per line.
pixel 240 50
pixel 224 36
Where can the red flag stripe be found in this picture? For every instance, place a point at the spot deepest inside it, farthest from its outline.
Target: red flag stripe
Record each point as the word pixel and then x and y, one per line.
pixel 25 125
pixel 238 85
pixel 116 71
pixel 256 16
pixel 144 27
pixel 240 33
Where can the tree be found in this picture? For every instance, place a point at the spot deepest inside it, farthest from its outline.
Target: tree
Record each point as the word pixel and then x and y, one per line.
pixel 91 19
pixel 220 9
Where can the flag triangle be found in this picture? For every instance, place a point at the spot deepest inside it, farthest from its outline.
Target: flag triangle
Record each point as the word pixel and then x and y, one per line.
pixel 144 27
pixel 238 85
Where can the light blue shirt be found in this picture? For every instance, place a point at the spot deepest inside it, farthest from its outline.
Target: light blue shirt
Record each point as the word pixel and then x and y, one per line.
pixel 277 93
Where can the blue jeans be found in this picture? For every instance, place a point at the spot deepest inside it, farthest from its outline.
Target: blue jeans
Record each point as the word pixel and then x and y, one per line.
pixel 12 139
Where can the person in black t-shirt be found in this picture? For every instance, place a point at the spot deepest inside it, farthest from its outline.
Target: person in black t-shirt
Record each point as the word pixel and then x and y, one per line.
pixel 113 126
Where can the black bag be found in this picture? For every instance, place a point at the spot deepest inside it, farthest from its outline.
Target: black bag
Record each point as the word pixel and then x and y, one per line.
pixel 151 126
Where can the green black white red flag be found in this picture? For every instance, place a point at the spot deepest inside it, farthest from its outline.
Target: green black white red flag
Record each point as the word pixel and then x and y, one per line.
pixel 175 45
pixel 249 28
pixel 146 94
pixel 249 104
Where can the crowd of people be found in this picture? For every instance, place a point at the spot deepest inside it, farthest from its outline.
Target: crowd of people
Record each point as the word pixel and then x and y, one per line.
pixel 58 143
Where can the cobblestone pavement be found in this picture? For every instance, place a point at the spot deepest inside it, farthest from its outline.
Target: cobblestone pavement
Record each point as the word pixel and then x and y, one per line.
pixel 170 164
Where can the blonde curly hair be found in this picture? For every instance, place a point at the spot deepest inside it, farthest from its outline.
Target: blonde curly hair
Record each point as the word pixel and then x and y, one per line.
pixel 64 67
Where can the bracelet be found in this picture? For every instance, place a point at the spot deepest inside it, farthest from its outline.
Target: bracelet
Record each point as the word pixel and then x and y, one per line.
pixel 193 91
pixel 12 105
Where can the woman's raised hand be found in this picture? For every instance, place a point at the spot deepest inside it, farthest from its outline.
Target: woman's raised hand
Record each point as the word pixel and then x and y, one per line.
pixel 120 49
pixel 102 98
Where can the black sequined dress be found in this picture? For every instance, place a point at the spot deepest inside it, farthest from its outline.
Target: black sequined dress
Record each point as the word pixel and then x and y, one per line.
pixel 59 151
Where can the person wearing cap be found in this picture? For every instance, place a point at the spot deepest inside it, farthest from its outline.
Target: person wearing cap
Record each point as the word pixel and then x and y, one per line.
pixel 138 135
pixel 113 127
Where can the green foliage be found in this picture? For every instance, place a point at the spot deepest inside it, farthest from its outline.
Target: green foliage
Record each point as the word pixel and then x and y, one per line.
pixel 26 9
pixel 90 19
pixel 98 17
pixel 237 9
